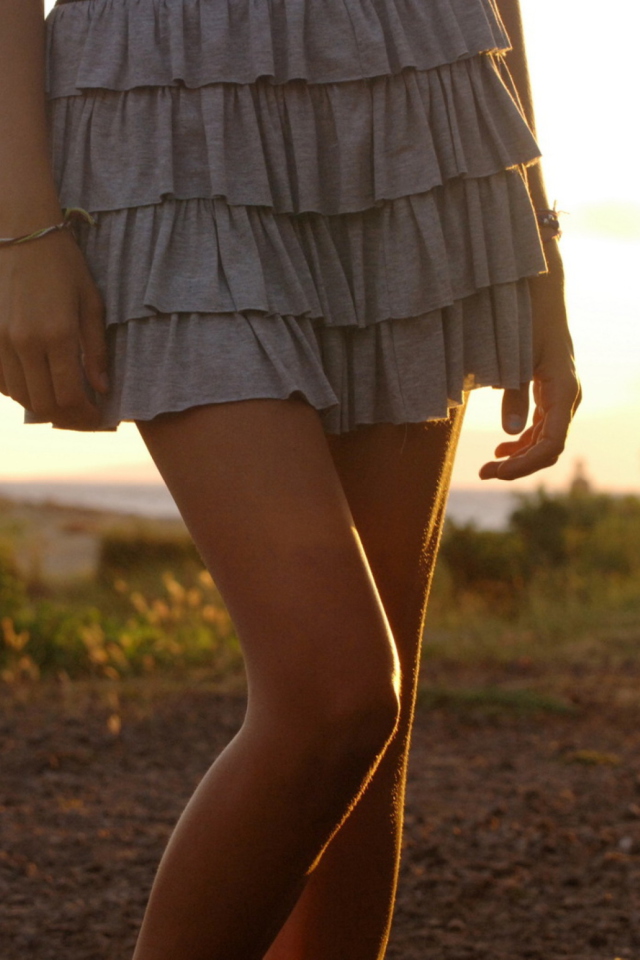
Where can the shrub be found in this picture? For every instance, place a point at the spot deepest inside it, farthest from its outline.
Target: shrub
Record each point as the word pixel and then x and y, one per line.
pixel 490 563
pixel 541 522
pixel 127 553
pixel 175 627
pixel 12 590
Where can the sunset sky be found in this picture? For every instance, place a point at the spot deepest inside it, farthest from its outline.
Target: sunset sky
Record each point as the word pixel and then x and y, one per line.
pixel 584 75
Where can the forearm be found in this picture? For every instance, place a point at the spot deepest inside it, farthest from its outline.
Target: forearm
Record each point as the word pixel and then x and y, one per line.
pixel 28 196
pixel 518 68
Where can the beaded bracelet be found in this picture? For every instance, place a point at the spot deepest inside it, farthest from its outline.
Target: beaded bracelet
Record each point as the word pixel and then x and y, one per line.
pixel 70 214
pixel 550 218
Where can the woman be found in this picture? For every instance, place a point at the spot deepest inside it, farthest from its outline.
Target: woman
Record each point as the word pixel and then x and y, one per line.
pixel 312 236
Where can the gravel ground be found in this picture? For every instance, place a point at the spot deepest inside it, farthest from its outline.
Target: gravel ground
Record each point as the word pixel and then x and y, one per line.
pixel 523 822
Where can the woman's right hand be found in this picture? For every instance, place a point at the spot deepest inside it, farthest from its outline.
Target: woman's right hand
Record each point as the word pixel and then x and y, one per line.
pixel 52 331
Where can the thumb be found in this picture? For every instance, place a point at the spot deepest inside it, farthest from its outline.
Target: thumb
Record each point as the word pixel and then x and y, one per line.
pixel 94 341
pixel 515 409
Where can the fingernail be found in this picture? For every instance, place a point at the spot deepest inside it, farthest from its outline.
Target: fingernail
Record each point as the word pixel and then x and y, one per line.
pixel 514 423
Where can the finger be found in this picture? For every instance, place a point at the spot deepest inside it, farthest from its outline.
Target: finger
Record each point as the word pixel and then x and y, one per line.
pixel 40 387
pixel 94 343
pixel 530 436
pixel 14 379
pixel 72 402
pixel 543 450
pixel 578 399
pixel 527 439
pixel 508 447
pixel 558 414
pixel 545 442
pixel 3 383
pixel 515 409
pixel 544 454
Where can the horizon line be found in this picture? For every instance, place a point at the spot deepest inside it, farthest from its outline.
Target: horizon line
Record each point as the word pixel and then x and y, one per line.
pixel 527 484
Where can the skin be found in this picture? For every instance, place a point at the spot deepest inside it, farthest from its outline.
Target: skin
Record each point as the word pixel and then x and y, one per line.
pixel 51 312
pixel 556 388
pixel 396 480
pixel 304 501
pixel 289 848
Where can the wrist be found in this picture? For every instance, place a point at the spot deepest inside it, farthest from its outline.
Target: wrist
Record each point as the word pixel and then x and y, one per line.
pixel 537 187
pixel 554 258
pixel 34 213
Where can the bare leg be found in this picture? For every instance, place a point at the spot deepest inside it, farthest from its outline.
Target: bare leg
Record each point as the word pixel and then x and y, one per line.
pixel 396 480
pixel 257 487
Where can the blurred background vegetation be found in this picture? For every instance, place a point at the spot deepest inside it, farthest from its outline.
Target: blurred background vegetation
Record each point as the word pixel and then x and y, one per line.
pixel 561 584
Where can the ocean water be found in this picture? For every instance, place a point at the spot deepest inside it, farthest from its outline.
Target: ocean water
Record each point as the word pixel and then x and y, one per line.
pixel 488 509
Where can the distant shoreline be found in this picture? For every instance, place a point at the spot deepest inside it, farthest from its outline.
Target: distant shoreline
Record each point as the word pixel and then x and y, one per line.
pixel 486 508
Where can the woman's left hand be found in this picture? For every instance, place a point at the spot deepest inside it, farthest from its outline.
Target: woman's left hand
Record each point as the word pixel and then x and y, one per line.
pixel 556 387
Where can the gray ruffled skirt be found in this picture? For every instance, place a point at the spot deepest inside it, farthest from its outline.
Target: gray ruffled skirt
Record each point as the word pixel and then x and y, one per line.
pixel 322 198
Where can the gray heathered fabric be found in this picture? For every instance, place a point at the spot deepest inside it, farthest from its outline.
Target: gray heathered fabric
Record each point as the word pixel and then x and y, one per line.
pixel 314 197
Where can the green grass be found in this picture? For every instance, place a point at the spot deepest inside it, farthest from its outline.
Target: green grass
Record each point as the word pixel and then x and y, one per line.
pixel 558 619
pixel 491 700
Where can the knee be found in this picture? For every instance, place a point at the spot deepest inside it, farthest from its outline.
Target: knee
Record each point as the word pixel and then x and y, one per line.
pixel 327 739
pixel 329 726
pixel 350 729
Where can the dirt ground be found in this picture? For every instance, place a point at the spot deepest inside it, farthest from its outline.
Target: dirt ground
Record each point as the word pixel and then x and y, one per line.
pixel 523 818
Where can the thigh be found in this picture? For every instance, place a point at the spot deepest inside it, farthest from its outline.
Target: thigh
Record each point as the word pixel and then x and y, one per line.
pixel 396 479
pixel 259 492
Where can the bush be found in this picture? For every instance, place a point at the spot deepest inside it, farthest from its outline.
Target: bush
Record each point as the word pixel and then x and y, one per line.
pixel 12 590
pixel 540 523
pixel 129 553
pixel 488 562
pixel 564 576
pixel 175 628
pixel 591 535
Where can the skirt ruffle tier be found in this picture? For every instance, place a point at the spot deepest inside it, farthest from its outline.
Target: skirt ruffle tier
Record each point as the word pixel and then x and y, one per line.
pixel 323 198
